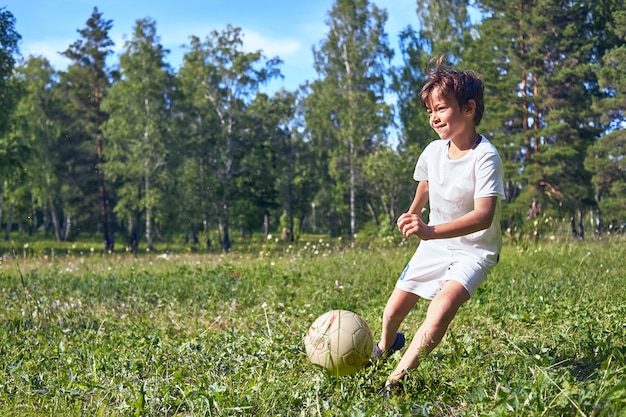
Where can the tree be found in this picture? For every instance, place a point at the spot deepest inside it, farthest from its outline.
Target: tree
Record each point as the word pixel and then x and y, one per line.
pixel 346 113
pixel 444 29
pixel 9 39
pixel 606 158
pixel 87 82
pixel 139 131
pixel 541 52
pixel 283 182
pixel 388 175
pixel 408 80
pixel 297 179
pixel 37 125
pixel 221 80
pixel 10 148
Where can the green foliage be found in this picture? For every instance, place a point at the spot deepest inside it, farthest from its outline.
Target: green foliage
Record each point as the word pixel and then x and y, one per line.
pixel 83 87
pixel 9 41
pixel 117 335
pixel 228 123
pixel 346 107
pixel 139 130
pixel 211 153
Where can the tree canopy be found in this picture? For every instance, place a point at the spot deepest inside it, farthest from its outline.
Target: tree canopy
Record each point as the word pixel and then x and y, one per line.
pixel 136 149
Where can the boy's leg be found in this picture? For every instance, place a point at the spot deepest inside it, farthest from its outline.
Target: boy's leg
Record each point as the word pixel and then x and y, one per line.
pixel 400 304
pixel 440 313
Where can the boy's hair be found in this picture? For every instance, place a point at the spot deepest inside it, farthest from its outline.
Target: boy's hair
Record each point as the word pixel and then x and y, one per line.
pixel 462 85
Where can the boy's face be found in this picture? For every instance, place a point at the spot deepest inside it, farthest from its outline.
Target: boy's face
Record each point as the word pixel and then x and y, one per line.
pixel 447 118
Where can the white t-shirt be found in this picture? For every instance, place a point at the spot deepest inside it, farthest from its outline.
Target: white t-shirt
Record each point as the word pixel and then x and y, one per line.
pixel 454 184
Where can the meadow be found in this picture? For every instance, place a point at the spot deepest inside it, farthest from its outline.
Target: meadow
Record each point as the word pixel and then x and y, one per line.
pixel 173 334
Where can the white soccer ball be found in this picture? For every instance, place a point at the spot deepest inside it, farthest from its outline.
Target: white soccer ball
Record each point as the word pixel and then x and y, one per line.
pixel 339 341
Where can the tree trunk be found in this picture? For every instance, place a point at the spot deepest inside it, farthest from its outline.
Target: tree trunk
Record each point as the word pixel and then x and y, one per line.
pixel 227 242
pixel 352 191
pixel 1 199
pixel 55 221
pixel 581 227
pixel 219 233
pixel 598 222
pixel 67 228
pixel 133 232
pixel 207 239
pixel 7 231
pixel 149 229
pixel 33 218
pixel 372 210
pixel 46 218
pixel 104 209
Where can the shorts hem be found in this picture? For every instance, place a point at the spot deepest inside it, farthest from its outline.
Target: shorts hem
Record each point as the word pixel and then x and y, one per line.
pixel 416 291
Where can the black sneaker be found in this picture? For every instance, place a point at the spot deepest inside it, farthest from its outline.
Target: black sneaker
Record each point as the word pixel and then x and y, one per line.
pixel 397 345
pixel 394 389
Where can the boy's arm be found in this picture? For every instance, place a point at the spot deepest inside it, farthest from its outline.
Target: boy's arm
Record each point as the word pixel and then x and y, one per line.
pixel 420 199
pixel 415 211
pixel 478 219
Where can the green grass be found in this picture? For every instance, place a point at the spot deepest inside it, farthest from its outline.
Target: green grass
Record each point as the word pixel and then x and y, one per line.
pixel 86 334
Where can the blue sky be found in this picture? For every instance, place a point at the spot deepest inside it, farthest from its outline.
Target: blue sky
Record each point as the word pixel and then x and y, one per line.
pixel 284 28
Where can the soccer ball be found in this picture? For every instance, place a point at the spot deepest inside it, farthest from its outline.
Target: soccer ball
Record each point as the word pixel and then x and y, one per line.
pixel 340 341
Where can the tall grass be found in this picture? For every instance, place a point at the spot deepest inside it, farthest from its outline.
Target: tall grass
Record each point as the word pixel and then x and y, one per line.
pixel 86 334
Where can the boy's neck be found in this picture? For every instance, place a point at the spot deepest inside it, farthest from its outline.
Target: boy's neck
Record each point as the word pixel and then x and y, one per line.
pixel 458 148
pixel 467 142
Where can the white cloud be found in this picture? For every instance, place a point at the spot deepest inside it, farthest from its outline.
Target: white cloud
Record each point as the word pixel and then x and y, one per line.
pixel 49 49
pixel 254 41
pixel 173 36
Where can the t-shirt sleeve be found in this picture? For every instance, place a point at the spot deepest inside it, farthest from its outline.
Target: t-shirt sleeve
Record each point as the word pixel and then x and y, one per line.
pixel 489 176
pixel 421 167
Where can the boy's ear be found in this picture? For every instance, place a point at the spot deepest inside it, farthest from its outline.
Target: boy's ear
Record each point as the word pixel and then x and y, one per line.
pixel 470 107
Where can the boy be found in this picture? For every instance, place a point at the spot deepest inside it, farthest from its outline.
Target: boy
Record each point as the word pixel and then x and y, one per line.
pixel 461 176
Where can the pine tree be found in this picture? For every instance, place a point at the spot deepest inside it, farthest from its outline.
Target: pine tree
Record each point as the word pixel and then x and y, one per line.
pixel 606 158
pixel 12 150
pixel 9 40
pixel 86 84
pixel 539 82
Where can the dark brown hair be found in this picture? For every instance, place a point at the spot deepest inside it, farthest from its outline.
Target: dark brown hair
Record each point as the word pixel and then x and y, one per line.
pixel 462 85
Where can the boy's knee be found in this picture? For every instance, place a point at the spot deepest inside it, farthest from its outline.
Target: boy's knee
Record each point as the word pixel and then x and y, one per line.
pixel 393 313
pixel 445 305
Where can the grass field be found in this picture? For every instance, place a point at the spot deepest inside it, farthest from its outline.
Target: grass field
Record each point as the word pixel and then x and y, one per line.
pixel 86 334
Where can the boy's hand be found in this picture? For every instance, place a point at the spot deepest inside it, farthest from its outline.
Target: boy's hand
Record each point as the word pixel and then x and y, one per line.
pixel 412 224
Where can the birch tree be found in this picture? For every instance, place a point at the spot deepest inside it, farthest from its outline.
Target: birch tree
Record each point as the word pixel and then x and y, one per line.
pixel 221 80
pixel 139 131
pixel 347 115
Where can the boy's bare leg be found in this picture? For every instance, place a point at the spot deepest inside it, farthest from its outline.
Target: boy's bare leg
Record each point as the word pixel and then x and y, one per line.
pixel 398 306
pixel 440 313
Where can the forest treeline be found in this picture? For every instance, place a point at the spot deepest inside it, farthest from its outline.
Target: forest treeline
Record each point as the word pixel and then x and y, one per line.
pixel 137 151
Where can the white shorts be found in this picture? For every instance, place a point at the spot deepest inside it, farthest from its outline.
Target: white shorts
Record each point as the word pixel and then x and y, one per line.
pixel 433 264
